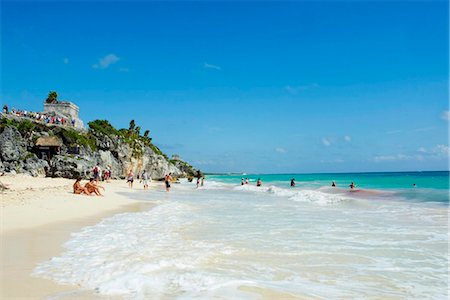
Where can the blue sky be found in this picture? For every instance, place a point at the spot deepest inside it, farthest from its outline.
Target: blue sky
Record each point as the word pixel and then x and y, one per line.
pixel 246 86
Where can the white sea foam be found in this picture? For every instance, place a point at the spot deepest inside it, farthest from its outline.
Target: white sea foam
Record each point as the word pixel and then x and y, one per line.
pixel 209 243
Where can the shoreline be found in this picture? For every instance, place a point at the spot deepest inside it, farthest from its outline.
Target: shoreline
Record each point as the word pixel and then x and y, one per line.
pixel 38 217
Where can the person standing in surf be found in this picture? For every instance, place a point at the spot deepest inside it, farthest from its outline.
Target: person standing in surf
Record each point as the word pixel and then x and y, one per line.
pixel 293 182
pixel 167 180
pixel 259 182
pixel 130 179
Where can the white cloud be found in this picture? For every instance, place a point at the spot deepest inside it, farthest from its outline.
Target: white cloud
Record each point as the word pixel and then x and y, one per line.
pixel 394 131
pixel 332 161
pixel 294 90
pixel 347 138
pixel 438 152
pixel 422 129
pixel 422 150
pixel 326 142
pixel 443 150
pixel 280 150
pixel 445 115
pixel 381 158
pixel 211 66
pixel 106 61
pixel 65 60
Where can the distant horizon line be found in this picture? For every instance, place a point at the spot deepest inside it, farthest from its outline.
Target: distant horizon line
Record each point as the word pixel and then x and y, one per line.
pixel 363 172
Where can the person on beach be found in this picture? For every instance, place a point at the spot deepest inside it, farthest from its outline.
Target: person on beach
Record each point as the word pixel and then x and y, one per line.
pixel 130 179
pixel 91 187
pixel 246 180
pixel 78 189
pixel 203 180
pixel 145 179
pixel 293 182
pixel 352 185
pixel 259 182
pixel 96 172
pixel 242 181
pixel 167 180
pixel 333 184
pixel 198 182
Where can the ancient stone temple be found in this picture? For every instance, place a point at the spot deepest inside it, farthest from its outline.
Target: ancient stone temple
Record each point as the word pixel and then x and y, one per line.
pixel 64 109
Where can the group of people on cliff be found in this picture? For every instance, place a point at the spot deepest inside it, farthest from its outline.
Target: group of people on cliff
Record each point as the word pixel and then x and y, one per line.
pixel 39 117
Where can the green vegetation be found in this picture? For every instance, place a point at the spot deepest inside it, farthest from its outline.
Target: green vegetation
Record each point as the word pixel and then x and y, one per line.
pixel 131 136
pixel 132 124
pixel 104 127
pixel 52 97
pixel 73 137
pixel 24 126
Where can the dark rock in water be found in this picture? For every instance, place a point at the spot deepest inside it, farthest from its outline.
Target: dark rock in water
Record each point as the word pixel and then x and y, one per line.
pixel 12 146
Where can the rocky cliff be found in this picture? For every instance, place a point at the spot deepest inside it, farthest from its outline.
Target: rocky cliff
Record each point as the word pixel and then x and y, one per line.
pixel 79 151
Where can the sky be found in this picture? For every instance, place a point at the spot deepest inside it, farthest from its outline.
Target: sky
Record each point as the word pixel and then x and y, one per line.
pixel 245 86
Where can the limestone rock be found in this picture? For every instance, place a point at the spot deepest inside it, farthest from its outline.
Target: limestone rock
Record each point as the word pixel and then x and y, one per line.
pixel 12 145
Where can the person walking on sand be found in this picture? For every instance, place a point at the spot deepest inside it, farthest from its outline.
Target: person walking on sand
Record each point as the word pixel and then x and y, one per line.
pixel 145 179
pixel 167 180
pixel 130 179
pixel 292 182
pixel 96 172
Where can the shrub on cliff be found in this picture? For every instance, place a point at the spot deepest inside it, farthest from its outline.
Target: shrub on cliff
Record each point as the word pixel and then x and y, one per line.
pixel 73 138
pixel 104 127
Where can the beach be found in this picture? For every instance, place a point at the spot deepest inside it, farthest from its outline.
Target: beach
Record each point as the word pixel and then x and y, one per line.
pixel 227 241
pixel 37 217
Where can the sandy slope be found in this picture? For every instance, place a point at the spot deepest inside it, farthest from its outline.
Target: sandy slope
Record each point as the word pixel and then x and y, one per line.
pixel 37 217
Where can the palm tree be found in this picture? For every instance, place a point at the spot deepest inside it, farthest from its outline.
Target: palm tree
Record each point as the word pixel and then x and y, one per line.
pixel 138 130
pixel 52 97
pixel 146 133
pixel 132 124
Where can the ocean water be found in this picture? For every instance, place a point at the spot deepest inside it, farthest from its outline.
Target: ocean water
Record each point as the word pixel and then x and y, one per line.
pixel 225 241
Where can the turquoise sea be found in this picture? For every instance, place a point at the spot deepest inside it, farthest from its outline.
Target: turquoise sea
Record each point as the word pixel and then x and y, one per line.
pixel 384 240
pixel 430 186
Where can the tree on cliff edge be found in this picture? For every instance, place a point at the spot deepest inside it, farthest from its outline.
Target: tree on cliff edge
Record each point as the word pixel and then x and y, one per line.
pixel 146 133
pixel 132 125
pixel 52 97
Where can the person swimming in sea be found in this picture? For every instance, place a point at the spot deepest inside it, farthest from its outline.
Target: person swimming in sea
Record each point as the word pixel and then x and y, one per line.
pixel 293 182
pixel 414 185
pixel 333 184
pixel 259 182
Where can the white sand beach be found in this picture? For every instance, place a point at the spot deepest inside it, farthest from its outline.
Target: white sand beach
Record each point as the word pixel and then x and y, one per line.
pixel 37 217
